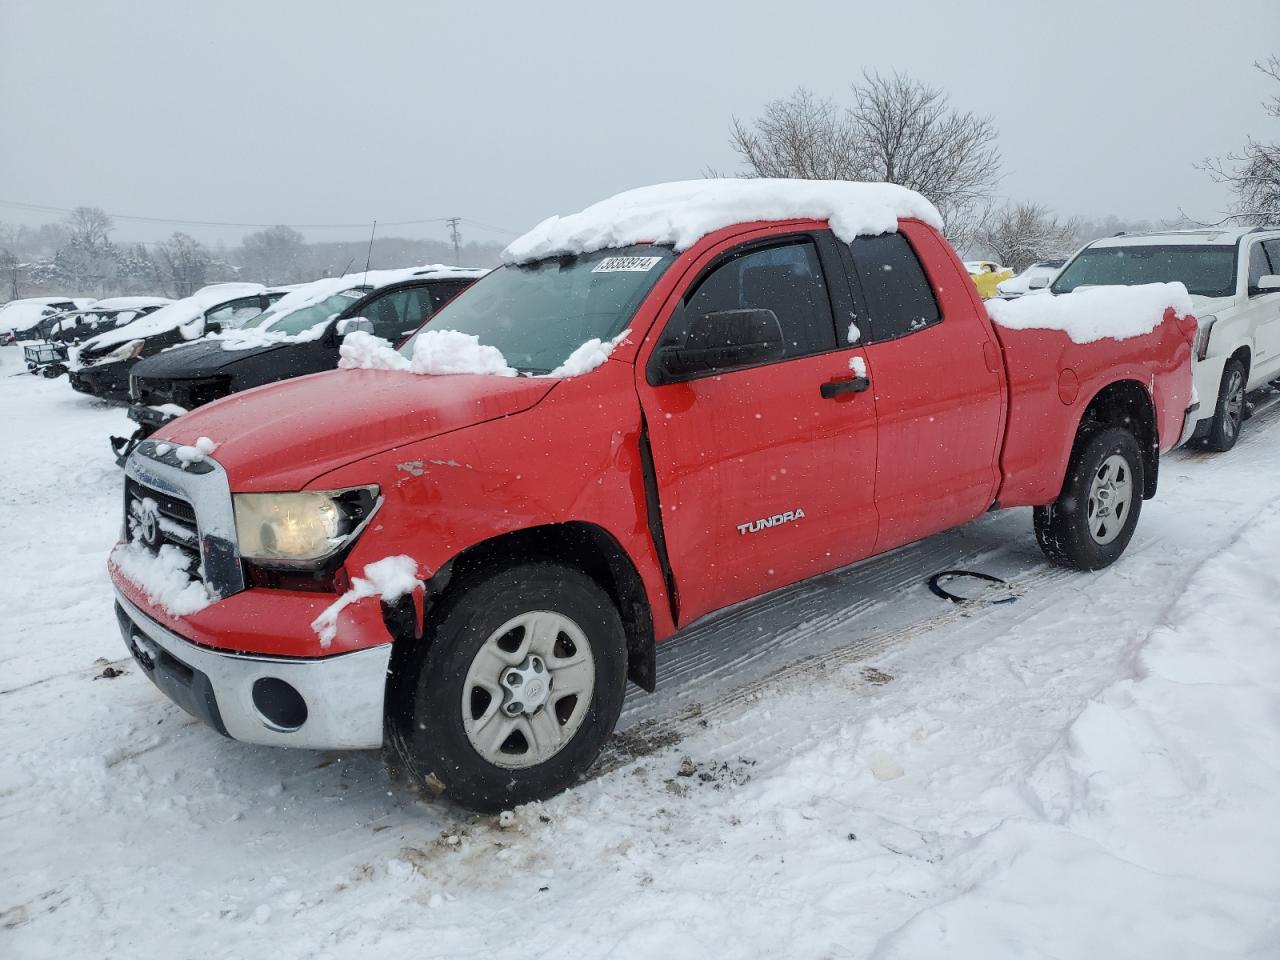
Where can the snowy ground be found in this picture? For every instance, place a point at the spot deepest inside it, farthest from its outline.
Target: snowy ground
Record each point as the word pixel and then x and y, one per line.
pixel 852 769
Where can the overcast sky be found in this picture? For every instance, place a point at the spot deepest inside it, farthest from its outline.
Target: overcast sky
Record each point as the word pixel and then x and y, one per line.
pixel 315 112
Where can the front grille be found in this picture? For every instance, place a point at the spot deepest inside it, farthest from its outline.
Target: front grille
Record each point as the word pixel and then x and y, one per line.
pixel 187 394
pixel 174 522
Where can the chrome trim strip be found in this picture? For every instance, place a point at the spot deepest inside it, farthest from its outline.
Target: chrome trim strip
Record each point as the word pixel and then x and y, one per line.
pixel 344 693
pixel 208 491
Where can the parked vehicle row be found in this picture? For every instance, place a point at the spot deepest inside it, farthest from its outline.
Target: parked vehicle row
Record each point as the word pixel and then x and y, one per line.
pixel 48 355
pixel 300 334
pixel 102 364
pixel 21 319
pixel 460 549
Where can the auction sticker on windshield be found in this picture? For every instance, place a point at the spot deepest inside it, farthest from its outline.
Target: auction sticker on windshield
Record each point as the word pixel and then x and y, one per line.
pixel 626 264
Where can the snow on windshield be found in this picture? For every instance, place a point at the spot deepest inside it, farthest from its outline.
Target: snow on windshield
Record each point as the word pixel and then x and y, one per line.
pixel 1096 313
pixel 681 213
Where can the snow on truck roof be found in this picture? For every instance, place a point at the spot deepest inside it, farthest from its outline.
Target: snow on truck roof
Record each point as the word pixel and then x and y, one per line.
pixel 683 212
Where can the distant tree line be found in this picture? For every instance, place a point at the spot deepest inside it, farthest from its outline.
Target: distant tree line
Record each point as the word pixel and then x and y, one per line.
pixel 78 257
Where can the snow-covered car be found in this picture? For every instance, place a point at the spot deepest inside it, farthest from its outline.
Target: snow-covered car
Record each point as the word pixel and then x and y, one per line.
pixel 20 319
pixel 300 334
pixel 1036 277
pixel 985 274
pixel 101 366
pixel 1233 276
pixel 77 325
pixel 49 356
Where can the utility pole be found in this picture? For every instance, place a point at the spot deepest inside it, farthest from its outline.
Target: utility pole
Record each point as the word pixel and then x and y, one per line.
pixel 453 232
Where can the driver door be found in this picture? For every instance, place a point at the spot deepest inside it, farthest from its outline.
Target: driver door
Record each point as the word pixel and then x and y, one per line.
pixel 762 479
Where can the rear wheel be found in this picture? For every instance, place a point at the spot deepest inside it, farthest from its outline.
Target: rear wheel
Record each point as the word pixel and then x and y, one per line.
pixel 1230 411
pixel 520 686
pixel 1094 518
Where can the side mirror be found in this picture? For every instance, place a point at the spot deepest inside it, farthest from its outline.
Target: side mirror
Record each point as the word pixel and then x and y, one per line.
pixel 723 340
pixel 1038 283
pixel 354 325
pixel 1268 284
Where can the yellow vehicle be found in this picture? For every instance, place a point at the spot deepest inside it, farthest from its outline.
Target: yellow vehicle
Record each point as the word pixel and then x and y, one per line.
pixel 986 274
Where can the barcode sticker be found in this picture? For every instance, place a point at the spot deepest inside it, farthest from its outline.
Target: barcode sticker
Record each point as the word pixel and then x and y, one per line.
pixel 625 264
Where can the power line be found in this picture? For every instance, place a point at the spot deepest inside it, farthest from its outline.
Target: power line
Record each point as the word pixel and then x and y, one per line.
pixel 41 208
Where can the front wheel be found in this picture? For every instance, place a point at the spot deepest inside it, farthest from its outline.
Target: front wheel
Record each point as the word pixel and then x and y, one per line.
pixel 1229 413
pixel 519 687
pixel 1091 523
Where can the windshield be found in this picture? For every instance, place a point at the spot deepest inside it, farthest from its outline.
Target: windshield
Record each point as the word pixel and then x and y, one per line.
pixel 302 319
pixel 1207 271
pixel 538 313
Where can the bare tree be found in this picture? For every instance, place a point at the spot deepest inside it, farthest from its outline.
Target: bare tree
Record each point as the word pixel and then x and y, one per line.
pixel 1020 234
pixel 91 226
pixel 800 136
pixel 274 255
pixel 896 130
pixel 182 265
pixel 1253 174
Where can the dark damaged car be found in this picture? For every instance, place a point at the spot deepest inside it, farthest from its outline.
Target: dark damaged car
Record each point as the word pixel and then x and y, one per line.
pixel 301 334
pixel 101 366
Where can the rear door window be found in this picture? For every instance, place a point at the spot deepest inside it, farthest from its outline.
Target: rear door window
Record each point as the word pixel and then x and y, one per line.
pixel 895 291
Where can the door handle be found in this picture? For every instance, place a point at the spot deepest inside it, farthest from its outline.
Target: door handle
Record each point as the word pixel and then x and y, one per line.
pixel 835 388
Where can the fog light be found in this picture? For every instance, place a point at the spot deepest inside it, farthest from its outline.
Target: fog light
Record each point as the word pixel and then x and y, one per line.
pixel 281 706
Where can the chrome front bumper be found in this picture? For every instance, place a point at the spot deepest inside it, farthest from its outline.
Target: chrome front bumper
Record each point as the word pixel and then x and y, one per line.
pixel 343 694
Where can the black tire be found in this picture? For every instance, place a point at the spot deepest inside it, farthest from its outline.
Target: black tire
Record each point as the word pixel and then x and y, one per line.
pixel 1229 414
pixel 1065 529
pixel 427 727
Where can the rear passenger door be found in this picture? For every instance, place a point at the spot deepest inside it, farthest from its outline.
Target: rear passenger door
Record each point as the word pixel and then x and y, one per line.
pixel 1263 310
pixel 937 381
pixel 763 478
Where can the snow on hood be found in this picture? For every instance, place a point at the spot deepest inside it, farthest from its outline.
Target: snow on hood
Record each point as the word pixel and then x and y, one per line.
pixel 174 315
pixel 681 213
pixel 130 303
pixel 1095 313
pixel 444 352
pixel 439 352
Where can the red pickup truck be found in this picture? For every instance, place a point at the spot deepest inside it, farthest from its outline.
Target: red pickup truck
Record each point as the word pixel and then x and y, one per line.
pixel 675 401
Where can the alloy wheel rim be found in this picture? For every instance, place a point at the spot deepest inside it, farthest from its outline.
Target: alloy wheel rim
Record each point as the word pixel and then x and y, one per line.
pixel 528 689
pixel 1110 499
pixel 1234 403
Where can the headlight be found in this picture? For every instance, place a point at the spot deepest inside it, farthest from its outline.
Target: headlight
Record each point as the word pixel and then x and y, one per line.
pixel 126 351
pixel 1202 337
pixel 301 529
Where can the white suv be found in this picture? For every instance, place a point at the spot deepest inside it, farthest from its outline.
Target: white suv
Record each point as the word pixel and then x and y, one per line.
pixel 1233 277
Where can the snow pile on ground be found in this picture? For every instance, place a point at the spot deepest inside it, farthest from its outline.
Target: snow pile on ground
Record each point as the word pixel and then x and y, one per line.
pixel 1095 313
pixel 588 356
pixel 681 213
pixel 163 576
pixel 1159 803
pixel 434 352
pixel 389 578
pixel 179 314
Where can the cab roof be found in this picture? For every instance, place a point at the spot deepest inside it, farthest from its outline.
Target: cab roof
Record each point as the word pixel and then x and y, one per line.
pixel 1200 236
